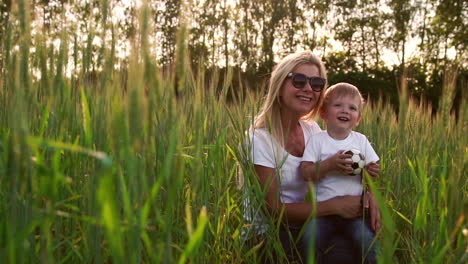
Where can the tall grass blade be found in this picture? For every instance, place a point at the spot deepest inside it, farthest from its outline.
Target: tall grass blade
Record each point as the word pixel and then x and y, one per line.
pixel 196 238
pixel 86 117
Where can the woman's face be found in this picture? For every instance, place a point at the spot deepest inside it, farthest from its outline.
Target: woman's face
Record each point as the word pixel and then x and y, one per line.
pixel 300 101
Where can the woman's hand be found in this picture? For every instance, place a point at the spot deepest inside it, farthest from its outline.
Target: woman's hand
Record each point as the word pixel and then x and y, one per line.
pixel 373 169
pixel 374 211
pixel 348 206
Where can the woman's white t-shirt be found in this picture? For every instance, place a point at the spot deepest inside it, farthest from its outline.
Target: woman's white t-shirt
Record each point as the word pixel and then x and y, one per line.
pixel 265 151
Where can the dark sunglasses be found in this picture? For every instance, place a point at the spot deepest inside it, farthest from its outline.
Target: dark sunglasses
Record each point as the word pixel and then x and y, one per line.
pixel 299 81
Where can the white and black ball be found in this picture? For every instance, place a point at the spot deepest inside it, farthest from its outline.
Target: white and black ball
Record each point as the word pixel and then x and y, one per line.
pixel 358 161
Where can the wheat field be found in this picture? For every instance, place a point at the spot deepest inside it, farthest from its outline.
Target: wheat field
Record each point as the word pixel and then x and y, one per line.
pixel 118 167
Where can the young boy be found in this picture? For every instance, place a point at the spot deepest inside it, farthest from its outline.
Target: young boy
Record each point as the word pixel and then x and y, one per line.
pixel 324 163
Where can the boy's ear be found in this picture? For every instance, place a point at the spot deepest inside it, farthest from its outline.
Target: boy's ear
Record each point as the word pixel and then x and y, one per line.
pixel 359 119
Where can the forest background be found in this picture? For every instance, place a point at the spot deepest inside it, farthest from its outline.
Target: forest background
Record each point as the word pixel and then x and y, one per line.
pixel 367 43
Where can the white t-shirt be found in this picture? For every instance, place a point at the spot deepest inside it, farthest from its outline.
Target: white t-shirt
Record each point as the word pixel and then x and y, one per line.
pixel 322 146
pixel 265 151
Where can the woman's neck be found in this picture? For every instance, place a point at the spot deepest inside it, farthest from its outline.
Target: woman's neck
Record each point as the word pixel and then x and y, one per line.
pixel 290 125
pixel 292 135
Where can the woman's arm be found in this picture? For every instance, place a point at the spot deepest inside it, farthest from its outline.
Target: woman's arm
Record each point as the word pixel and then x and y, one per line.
pixel 374 211
pixel 310 172
pixel 373 169
pixel 346 206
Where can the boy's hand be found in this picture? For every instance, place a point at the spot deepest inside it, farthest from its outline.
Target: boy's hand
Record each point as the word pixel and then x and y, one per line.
pixel 373 169
pixel 340 163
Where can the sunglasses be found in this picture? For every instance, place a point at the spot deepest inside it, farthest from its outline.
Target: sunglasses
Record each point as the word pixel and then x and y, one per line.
pixel 299 81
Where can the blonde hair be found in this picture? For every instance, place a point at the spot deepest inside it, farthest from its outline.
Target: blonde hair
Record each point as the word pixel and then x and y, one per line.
pixel 340 90
pixel 270 113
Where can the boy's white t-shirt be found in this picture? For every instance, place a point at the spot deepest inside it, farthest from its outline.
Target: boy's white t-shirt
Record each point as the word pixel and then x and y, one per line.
pixel 321 146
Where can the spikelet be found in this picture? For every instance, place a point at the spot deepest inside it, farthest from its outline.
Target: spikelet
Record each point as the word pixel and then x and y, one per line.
pixel 181 61
pixel 448 92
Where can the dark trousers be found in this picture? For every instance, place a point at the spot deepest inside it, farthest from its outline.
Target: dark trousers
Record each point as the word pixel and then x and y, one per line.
pixel 324 230
pixel 269 253
pixel 340 249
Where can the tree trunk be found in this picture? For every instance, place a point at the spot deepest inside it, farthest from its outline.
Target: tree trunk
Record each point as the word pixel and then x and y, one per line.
pixel 225 25
pixel 377 53
pixel 313 42
pixel 363 47
pixel 5 14
pixel 423 35
pixel 246 36
pixel 403 54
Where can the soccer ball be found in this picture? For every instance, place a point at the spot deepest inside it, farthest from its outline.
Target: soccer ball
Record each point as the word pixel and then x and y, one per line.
pixel 358 159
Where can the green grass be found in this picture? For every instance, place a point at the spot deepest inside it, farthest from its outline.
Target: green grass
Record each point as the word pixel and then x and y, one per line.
pixel 101 169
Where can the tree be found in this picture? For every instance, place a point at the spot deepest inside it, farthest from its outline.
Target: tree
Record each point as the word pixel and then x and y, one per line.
pixel 402 13
pixel 424 30
pixel 167 22
pixel 248 32
pixel 317 19
pixel 293 24
pixel 198 32
pixel 345 28
pixel 272 16
pixel 225 16
pixel 450 22
pixel 372 23
pixel 360 27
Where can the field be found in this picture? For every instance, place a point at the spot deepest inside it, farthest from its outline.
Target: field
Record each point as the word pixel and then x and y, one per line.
pixel 119 168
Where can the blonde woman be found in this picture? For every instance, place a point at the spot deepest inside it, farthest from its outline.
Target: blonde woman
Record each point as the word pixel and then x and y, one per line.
pixel 277 140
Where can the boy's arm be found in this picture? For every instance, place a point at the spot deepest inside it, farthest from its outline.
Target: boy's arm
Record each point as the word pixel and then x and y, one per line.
pixel 314 172
pixel 309 171
pixel 308 168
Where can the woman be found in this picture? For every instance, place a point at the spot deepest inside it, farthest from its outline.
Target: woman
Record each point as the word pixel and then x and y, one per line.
pixel 278 137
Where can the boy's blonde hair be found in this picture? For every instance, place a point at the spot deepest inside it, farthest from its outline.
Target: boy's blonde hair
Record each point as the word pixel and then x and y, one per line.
pixel 339 90
pixel 270 113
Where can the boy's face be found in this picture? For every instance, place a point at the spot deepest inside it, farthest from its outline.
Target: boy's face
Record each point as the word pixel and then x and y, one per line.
pixel 342 114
